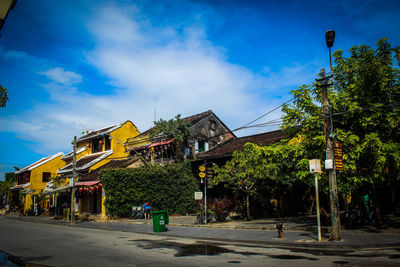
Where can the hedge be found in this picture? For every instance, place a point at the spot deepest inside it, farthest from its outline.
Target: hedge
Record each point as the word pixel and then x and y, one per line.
pixel 170 187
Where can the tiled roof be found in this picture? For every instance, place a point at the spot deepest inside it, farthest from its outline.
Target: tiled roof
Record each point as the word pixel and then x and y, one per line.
pixel 231 145
pixel 101 131
pixel 96 133
pixel 195 118
pixel 86 162
pixel 95 174
pixel 191 119
pixel 71 154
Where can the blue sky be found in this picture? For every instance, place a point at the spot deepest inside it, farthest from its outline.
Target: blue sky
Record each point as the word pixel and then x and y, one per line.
pixel 76 65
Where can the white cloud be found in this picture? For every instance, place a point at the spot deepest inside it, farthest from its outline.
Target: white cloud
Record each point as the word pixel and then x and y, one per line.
pixel 174 73
pixel 150 68
pixel 62 76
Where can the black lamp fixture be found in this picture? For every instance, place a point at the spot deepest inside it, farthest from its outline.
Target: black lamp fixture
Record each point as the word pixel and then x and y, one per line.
pixel 330 38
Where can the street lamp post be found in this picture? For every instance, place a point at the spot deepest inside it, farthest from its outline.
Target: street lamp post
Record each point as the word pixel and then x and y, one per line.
pixel 330 162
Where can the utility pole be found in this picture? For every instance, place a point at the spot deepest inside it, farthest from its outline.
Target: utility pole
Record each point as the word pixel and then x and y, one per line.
pixel 205 194
pixel 330 162
pixel 72 183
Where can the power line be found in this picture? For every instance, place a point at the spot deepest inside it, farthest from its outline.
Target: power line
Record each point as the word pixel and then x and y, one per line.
pixel 262 116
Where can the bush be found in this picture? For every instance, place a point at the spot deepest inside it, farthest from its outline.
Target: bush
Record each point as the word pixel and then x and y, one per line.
pixel 170 187
pixel 223 207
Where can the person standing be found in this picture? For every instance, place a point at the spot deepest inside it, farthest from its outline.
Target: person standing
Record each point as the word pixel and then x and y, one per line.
pixel 146 210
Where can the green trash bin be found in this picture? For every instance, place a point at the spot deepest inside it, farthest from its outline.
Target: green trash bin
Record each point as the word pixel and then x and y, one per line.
pixel 160 219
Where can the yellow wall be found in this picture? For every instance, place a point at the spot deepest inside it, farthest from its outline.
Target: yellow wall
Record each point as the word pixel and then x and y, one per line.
pixel 36 178
pixel 119 137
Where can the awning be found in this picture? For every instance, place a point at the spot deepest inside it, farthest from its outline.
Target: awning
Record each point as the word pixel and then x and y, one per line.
pixel 16 187
pixel 89 183
pixel 56 190
pixel 27 191
pixel 135 148
pixel 19 186
pixel 162 143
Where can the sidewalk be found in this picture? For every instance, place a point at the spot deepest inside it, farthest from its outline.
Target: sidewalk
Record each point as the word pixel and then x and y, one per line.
pixel 300 232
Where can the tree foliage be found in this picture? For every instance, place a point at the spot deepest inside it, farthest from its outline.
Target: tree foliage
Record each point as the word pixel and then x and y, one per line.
pixel 243 172
pixel 364 101
pixel 170 187
pixel 9 180
pixel 176 128
pixel 3 97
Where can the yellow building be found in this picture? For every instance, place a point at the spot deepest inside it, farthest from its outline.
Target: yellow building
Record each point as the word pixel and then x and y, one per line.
pixel 93 150
pixel 32 180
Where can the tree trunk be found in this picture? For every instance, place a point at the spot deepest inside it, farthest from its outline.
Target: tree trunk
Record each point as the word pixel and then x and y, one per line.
pixel 248 205
pixel 393 198
pixel 378 209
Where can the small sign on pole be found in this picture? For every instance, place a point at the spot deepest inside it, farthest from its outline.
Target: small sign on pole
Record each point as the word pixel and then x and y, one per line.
pixel 198 195
pixel 328 164
pixel 315 165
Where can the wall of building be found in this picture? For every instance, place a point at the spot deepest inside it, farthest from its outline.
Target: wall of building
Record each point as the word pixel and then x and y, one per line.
pixel 120 136
pixel 36 178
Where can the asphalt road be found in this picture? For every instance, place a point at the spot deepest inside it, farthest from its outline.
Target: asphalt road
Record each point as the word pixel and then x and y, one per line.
pixel 57 245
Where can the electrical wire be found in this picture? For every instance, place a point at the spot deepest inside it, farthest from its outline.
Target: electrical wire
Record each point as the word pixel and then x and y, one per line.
pixel 262 116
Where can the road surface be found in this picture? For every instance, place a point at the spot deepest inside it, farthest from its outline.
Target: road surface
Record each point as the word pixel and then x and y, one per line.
pixel 57 245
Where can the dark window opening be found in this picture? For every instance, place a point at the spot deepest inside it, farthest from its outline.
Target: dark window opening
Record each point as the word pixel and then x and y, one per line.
pixel 213 124
pixel 107 145
pixel 201 146
pixel 46 177
pixel 24 178
pixel 96 146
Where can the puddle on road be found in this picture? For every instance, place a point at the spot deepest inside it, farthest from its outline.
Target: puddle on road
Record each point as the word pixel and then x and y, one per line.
pixel 341 262
pixel 10 260
pixel 292 257
pixel 201 249
pixel 183 249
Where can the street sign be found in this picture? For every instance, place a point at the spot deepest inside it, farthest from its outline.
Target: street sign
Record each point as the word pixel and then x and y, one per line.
pixel 338 156
pixel 202 173
pixel 315 165
pixel 198 195
pixel 328 164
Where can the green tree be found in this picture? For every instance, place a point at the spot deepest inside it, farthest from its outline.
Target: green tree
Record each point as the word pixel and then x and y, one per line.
pixel 243 172
pixel 364 101
pixel 176 128
pixel 10 177
pixel 3 96
pixel 9 180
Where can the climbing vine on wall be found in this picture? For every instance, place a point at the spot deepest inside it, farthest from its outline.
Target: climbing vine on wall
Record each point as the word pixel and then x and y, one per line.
pixel 170 187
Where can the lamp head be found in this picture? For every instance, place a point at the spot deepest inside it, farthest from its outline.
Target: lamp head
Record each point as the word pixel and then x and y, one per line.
pixel 330 38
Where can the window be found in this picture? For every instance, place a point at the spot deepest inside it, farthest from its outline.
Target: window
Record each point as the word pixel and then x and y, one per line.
pixel 46 177
pixel 201 146
pixel 96 145
pixel 107 145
